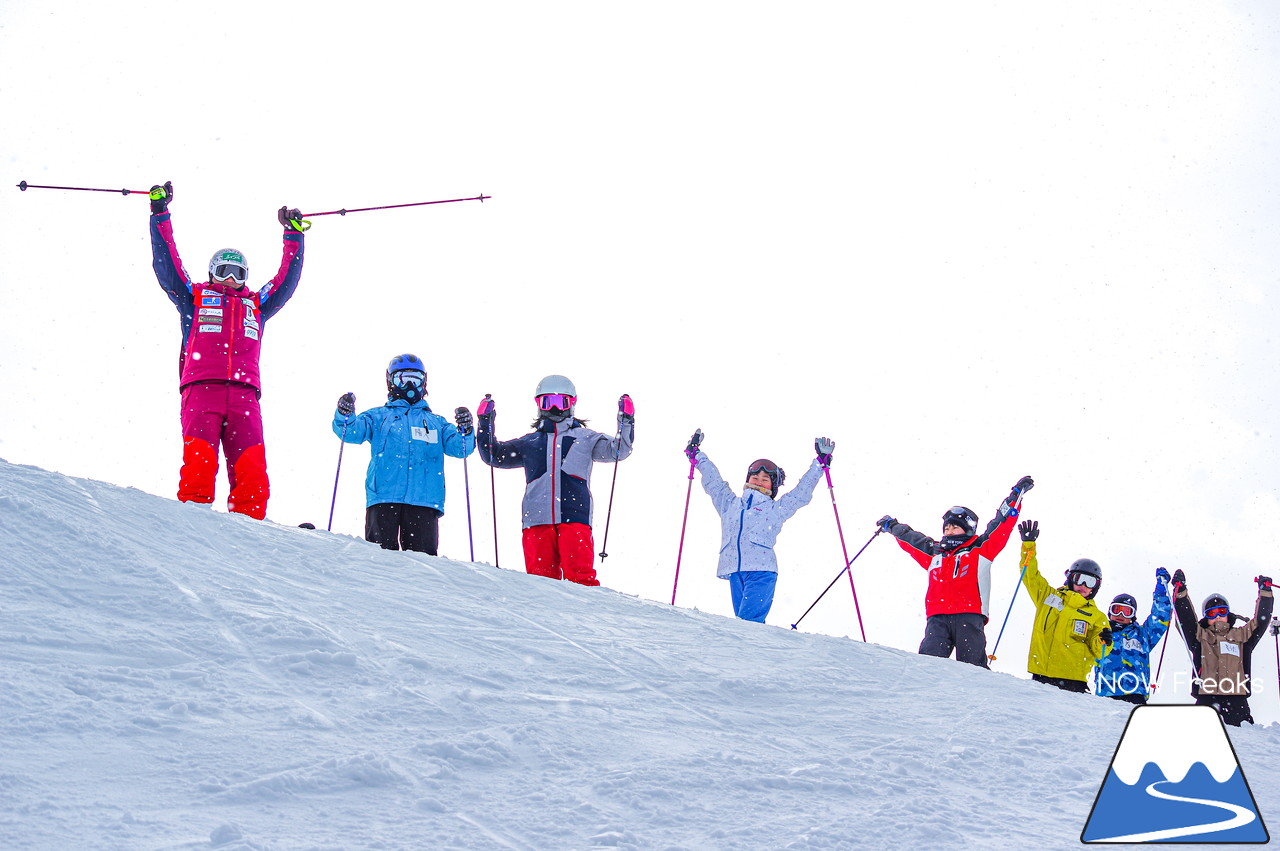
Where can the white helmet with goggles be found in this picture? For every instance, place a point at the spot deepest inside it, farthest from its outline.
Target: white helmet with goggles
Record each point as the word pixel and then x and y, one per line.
pixel 228 263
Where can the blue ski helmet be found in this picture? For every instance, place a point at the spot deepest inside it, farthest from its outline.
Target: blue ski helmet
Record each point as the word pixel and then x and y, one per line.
pixel 406 378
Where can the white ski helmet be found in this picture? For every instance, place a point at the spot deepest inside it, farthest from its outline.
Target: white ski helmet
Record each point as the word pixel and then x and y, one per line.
pixel 555 384
pixel 227 262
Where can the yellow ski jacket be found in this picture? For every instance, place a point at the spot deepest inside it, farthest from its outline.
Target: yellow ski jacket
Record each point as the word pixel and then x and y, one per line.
pixel 1066 639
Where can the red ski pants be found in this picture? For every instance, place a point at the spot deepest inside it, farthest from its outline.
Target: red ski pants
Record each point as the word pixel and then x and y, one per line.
pixel 219 413
pixel 561 551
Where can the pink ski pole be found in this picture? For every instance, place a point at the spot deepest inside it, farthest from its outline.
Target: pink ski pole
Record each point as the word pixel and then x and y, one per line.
pixel 694 441
pixel 826 468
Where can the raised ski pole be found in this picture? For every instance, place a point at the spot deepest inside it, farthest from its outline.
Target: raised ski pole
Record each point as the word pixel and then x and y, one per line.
pixel 992 654
pixel 1164 643
pixel 838 575
pixel 342 444
pixel 826 468
pixel 696 440
pixel 343 212
pixel 24 186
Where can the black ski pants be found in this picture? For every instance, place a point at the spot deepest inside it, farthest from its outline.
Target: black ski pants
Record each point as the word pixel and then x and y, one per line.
pixel 396 526
pixel 1233 709
pixel 1077 686
pixel 966 634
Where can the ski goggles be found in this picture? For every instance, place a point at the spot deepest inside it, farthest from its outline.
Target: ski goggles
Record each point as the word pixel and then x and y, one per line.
pixel 558 401
pixel 230 270
pixel 408 378
pixel 1122 610
pixel 1085 579
pixel 1217 612
pixel 761 468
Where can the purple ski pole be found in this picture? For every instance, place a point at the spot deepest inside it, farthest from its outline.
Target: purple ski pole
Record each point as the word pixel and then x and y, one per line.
pixel 694 443
pixel 825 458
pixel 342 444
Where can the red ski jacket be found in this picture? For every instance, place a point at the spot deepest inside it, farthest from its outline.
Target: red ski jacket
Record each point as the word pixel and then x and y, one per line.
pixel 960 579
pixel 221 325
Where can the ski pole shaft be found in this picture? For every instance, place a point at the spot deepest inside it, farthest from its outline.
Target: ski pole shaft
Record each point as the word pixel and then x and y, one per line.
pixel 837 579
pixel 1275 631
pixel 693 465
pixel 604 545
pixel 342 444
pixel 466 479
pixel 608 517
pixel 1164 643
pixel 343 212
pixel 845 550
pixel 493 490
pixel 24 186
pixel 992 654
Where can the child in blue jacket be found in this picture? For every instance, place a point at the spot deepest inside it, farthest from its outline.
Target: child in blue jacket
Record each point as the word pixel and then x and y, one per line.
pixel 1125 672
pixel 404 488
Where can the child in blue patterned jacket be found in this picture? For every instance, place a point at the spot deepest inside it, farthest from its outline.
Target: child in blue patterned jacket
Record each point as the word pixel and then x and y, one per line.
pixel 1125 672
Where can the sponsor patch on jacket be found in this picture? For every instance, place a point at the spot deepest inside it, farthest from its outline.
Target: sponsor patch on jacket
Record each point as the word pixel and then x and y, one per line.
pixel 1053 601
pixel 210 329
pixel 211 300
pixel 211 311
pixel 1227 648
pixel 430 435
pixel 1079 627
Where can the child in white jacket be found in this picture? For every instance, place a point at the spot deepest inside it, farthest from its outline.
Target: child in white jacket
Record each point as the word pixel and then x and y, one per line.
pixel 750 524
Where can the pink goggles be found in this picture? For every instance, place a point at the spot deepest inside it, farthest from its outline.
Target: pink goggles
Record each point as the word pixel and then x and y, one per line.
pixel 557 401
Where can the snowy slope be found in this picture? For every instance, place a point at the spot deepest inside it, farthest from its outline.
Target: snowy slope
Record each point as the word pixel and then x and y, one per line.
pixel 176 678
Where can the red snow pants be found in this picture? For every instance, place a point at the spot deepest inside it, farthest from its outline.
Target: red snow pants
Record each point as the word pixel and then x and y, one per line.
pixel 561 551
pixel 222 413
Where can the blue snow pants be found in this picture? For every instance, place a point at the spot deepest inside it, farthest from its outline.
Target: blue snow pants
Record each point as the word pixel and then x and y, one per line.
pixel 752 592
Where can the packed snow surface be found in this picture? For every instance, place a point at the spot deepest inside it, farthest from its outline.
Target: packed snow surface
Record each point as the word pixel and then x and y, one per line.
pixel 179 678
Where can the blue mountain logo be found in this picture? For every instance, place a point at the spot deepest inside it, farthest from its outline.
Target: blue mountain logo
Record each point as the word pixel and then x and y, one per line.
pixel 1175 778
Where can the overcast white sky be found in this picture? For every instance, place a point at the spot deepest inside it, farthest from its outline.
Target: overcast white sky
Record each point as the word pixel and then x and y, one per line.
pixel 967 241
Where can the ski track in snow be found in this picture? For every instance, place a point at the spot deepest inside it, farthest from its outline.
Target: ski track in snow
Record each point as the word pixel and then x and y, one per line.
pixel 180 678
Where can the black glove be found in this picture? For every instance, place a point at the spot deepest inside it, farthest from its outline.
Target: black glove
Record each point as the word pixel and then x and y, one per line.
pixel 626 410
pixel 347 404
pixel 1024 484
pixel 1264 582
pixel 695 444
pixel 1105 635
pixel 485 410
pixel 887 523
pixel 1179 582
pixel 462 417
pixel 292 219
pixel 160 197
pixel 1029 529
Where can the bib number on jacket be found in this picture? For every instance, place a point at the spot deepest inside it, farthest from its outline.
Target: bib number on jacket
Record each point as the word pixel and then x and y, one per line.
pixel 427 434
pixel 1226 648
pixel 1053 601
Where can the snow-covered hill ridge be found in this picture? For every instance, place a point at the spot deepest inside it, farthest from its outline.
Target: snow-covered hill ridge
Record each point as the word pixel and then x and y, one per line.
pixel 176 677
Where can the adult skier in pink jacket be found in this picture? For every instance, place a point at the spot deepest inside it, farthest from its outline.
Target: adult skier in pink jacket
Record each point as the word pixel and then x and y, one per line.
pixel 222 322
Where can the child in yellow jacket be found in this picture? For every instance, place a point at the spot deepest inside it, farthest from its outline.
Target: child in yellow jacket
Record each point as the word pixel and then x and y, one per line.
pixel 1070 633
